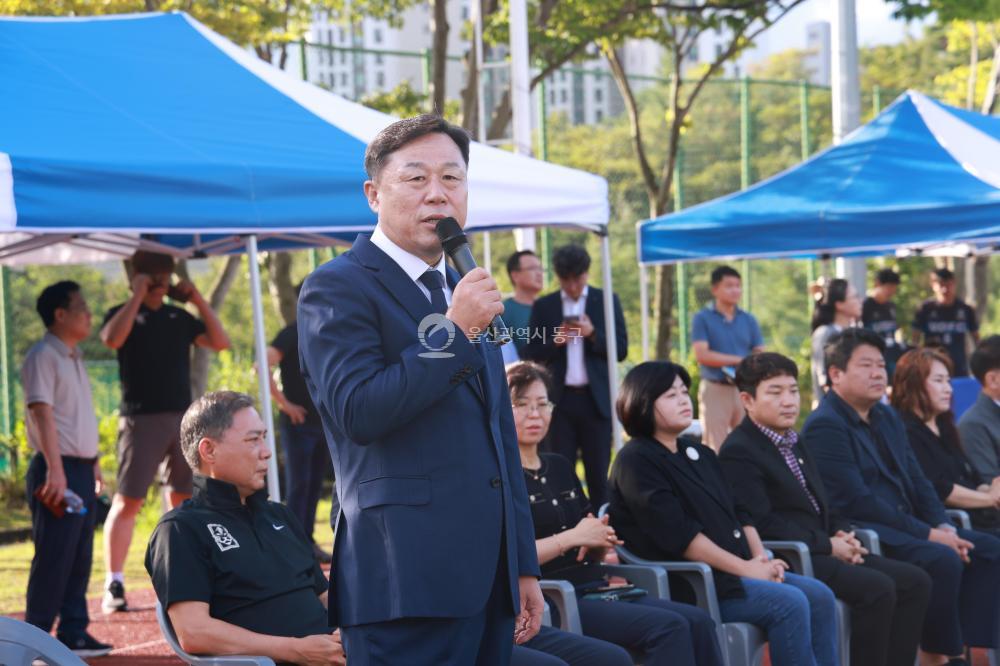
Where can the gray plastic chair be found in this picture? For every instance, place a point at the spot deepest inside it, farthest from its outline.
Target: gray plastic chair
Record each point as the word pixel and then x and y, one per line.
pixel 22 643
pixel 799 560
pixel 234 660
pixel 960 518
pixel 742 643
pixel 563 595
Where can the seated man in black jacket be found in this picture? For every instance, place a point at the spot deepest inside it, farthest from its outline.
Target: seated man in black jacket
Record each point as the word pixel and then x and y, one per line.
pixel 773 475
pixel 235 572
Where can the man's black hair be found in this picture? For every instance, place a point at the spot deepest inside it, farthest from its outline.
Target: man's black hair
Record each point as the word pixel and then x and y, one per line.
pixel 54 297
pixel 722 272
pixel 570 261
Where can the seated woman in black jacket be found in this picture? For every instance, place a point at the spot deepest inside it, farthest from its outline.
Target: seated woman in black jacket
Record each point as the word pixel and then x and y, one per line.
pixel 571 542
pixel 921 391
pixel 669 501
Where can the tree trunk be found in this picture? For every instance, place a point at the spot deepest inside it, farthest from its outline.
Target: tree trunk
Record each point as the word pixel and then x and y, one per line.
pixel 990 99
pixel 439 61
pixel 279 282
pixel 977 280
pixel 663 310
pixel 216 297
pixel 470 94
pixel 502 115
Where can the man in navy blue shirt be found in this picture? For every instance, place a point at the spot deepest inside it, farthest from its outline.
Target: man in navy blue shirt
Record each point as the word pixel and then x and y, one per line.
pixel 874 480
pixel 721 335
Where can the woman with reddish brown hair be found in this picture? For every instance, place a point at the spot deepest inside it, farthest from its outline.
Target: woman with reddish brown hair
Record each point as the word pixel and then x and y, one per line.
pixel 921 391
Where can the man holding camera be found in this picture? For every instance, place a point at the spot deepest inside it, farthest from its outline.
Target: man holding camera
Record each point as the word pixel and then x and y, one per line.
pixel 153 341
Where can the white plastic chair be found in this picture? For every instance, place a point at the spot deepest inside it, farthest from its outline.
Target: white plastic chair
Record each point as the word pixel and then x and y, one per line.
pixel 232 660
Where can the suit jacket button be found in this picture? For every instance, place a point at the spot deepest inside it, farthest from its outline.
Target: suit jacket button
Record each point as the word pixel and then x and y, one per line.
pixel 495 482
pixel 736 534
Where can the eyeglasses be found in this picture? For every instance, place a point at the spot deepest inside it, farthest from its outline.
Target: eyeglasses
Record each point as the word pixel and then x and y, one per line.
pixel 542 407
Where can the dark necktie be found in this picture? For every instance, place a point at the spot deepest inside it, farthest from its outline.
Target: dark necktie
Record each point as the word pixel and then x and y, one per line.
pixel 785 447
pixel 434 282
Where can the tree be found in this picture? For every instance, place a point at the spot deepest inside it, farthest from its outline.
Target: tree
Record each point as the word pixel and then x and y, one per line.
pixel 678 33
pixel 987 11
pixel 561 31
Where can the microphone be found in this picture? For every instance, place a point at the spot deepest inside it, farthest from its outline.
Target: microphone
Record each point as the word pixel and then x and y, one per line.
pixel 456 246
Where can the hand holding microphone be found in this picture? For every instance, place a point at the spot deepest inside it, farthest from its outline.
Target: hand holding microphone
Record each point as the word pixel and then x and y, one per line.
pixel 476 303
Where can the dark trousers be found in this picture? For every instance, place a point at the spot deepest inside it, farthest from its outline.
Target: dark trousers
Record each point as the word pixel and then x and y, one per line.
pixel 578 426
pixel 964 608
pixel 64 548
pixel 552 647
pixel 307 463
pixel 666 633
pixel 888 600
pixel 484 639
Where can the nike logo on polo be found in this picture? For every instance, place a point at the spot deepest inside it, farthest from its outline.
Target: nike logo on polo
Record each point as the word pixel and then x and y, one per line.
pixel 277 528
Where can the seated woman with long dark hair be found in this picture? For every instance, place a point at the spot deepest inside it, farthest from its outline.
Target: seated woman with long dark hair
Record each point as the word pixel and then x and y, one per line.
pixel 571 542
pixel 921 391
pixel 669 501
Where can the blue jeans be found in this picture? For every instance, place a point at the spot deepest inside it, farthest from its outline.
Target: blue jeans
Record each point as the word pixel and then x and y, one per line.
pixel 307 463
pixel 799 617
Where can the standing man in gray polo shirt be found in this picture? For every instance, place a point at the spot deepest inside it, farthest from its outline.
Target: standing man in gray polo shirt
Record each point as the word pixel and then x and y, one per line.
pixel 721 335
pixel 62 428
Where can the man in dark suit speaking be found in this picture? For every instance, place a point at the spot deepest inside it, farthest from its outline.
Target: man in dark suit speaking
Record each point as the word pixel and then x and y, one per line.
pixel 434 553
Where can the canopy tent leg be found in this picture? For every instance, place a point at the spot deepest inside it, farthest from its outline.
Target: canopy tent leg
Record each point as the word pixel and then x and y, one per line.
pixel 260 353
pixel 612 334
pixel 644 309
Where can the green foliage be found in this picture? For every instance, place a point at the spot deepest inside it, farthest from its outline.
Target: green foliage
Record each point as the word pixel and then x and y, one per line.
pixel 948 10
pixel 912 63
pixel 403 102
pixel 257 23
pixel 233 372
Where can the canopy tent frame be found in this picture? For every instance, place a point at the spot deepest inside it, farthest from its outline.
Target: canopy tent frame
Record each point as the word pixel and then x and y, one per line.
pixel 249 244
pixel 887 187
pixel 283 190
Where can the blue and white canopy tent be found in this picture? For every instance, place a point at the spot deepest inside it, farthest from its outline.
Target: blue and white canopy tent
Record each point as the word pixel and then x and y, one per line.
pixel 920 177
pixel 150 130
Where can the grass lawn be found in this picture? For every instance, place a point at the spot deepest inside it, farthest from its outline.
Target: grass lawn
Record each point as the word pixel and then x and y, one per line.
pixel 14 517
pixel 15 559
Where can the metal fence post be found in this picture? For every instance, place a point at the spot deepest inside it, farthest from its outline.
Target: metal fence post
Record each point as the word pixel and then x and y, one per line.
pixel 804 118
pixel 302 55
pixel 543 154
pixel 745 139
pixel 6 355
pixel 682 277
pixel 426 57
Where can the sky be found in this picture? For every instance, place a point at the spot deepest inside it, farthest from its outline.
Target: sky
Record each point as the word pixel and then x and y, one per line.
pixel 875 22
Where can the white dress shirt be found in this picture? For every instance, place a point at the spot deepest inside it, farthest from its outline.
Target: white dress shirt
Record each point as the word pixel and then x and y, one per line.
pixel 576 369
pixel 411 264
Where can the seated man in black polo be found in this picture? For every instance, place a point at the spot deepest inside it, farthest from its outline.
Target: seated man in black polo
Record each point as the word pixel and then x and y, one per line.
pixel 235 572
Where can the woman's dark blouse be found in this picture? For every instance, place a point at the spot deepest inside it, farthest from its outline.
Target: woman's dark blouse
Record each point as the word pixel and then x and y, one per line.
pixel 660 501
pixel 557 504
pixel 945 465
pixel 943 462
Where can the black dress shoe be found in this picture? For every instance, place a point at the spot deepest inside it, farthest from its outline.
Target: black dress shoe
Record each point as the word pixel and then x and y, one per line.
pixel 85 645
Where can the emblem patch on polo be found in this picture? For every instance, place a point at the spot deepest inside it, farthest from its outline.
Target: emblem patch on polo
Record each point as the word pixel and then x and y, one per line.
pixel 223 539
